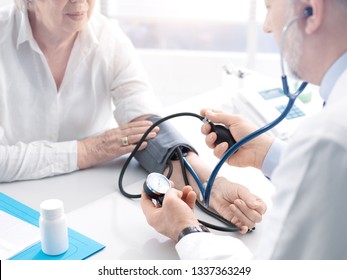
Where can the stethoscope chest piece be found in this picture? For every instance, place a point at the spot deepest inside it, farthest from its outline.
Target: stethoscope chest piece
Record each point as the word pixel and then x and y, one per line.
pixel 155 186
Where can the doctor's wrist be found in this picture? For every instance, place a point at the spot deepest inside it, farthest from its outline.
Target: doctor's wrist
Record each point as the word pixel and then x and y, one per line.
pixel 215 191
pixel 192 229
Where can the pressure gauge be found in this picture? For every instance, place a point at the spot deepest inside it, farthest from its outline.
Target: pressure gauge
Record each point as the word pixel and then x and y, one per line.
pixel 156 185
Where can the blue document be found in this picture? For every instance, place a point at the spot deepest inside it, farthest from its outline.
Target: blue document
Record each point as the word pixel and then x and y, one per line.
pixel 80 246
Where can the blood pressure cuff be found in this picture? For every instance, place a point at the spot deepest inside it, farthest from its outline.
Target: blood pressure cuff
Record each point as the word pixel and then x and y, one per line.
pixel 159 149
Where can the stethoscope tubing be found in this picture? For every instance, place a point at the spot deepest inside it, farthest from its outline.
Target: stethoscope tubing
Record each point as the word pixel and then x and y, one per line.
pixel 248 138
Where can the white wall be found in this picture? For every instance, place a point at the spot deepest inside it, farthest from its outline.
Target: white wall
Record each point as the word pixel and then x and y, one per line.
pixel 179 74
pixel 5 2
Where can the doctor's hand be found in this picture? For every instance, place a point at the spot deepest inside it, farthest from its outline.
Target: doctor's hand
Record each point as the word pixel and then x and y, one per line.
pixel 236 204
pixel 113 143
pixel 251 154
pixel 175 214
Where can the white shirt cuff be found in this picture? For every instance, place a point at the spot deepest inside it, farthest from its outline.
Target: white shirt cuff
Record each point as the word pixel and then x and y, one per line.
pixel 204 246
pixel 273 157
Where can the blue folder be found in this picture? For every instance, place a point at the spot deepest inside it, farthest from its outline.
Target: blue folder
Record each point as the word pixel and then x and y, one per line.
pixel 80 246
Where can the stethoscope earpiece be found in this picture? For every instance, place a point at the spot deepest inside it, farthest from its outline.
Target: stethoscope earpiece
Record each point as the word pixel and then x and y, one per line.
pixel 308 12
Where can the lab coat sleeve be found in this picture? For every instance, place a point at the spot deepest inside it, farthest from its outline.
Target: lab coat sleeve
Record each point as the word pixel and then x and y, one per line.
pixel 36 160
pixel 309 207
pixel 208 246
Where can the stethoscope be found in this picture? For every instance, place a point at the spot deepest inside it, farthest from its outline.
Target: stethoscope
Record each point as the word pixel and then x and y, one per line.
pixel 157 184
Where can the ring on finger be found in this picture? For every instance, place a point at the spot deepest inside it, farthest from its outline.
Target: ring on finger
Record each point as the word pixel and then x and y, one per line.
pixel 125 141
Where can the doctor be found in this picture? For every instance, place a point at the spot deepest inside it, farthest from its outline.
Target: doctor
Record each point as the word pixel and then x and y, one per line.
pixel 308 216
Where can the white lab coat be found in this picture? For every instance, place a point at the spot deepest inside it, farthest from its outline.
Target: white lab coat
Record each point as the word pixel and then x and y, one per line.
pixel 308 216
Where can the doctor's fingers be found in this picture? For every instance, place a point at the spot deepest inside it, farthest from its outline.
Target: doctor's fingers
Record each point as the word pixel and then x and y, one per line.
pixel 218 116
pixel 251 201
pixel 243 229
pixel 218 150
pixel 151 212
pixel 242 217
pixel 248 216
pixel 204 111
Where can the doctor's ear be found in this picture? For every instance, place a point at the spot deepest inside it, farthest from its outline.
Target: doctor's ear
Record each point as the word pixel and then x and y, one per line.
pixel 314 13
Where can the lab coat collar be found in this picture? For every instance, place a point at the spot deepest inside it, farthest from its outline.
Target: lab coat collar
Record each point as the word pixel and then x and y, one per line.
pixel 332 75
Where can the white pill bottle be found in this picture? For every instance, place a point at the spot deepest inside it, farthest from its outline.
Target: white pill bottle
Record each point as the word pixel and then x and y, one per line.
pixel 53 227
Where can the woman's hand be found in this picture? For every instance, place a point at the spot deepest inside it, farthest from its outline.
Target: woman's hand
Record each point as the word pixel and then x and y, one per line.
pixel 113 143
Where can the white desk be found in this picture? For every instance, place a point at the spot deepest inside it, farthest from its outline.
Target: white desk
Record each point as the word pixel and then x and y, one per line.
pixel 95 207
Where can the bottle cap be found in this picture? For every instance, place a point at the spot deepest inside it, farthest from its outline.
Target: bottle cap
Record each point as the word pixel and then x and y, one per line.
pixel 51 208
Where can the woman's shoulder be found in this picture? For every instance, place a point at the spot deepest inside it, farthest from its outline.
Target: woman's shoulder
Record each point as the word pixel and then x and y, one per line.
pixel 7 14
pixel 7 20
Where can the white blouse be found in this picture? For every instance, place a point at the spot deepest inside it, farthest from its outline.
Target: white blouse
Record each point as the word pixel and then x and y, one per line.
pixel 40 125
